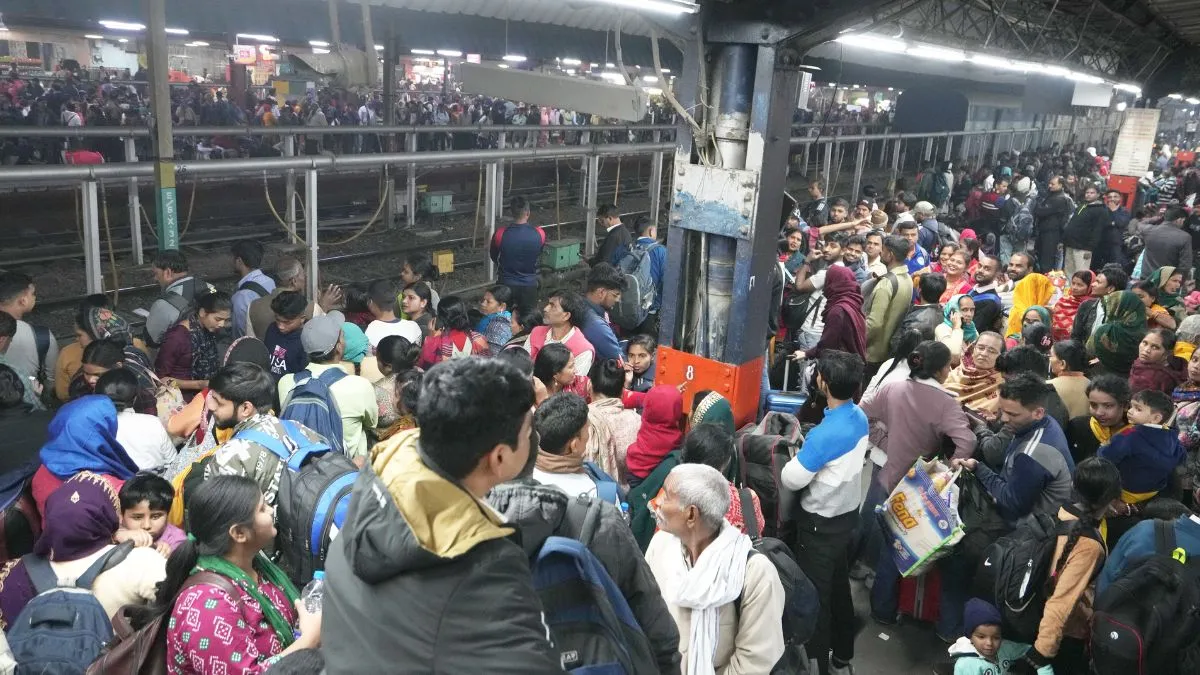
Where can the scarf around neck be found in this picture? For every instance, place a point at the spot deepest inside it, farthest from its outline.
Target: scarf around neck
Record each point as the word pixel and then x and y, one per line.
pixel 205 359
pixel 1063 316
pixel 552 463
pixel 717 578
pixel 1104 434
pixel 272 573
pixel 970 332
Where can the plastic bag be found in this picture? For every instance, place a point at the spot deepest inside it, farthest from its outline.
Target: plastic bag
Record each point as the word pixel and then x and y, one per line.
pixel 920 518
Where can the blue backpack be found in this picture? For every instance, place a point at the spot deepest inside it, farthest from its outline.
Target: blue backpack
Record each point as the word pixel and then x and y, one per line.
pixel 314 496
pixel 590 623
pixel 311 403
pixel 64 627
pixel 607 489
pixel 636 267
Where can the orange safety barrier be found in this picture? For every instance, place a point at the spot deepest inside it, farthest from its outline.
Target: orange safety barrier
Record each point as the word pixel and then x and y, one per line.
pixel 740 384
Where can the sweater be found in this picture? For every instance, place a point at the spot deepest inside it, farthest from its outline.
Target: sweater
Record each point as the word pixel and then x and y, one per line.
pixel 1036 477
pixel 910 419
pixel 1068 610
pixel 1139 543
pixel 828 465
pixel 1166 244
pixel 749 642
pixel 885 308
pixel 1146 455
pixel 1084 230
pixel 1073 391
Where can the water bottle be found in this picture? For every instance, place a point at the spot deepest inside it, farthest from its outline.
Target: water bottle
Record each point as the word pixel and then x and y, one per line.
pixel 625 512
pixel 313 593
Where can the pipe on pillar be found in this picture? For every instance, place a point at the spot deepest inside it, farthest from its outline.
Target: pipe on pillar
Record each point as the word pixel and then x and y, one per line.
pixel 335 26
pixel 656 181
pixel 135 206
pixel 733 105
pixel 491 209
pixel 91 237
pixel 860 159
pixel 369 38
pixel 501 143
pixel 389 115
pixel 289 150
pixel 310 233
pixel 410 212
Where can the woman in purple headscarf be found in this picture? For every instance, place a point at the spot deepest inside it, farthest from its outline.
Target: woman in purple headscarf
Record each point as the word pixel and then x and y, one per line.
pixel 81 519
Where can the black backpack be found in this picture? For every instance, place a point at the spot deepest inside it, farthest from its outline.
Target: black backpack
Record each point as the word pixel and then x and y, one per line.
pixel 763 450
pixel 1147 620
pixel 64 627
pixel 801 605
pixel 1016 574
pixel 314 496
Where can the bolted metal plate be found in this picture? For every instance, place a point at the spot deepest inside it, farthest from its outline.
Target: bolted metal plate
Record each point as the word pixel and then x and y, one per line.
pixel 715 200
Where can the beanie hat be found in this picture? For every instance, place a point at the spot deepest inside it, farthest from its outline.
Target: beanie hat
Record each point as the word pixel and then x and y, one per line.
pixel 878 218
pixel 1023 185
pixel 979 613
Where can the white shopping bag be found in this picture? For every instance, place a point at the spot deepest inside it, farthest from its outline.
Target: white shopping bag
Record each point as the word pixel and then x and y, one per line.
pixel 920 518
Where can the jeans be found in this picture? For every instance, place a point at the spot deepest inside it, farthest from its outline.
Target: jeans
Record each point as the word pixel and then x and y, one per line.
pixel 822 550
pixel 956 580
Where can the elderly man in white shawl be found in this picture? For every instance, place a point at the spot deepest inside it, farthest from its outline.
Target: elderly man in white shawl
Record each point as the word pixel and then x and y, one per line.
pixel 703 566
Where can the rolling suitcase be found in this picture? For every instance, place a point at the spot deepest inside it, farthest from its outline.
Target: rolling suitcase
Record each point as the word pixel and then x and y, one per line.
pixel 920 597
pixel 785 401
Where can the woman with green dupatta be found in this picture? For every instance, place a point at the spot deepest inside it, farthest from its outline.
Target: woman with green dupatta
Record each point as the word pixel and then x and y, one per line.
pixel 1169 281
pixel 231 609
pixel 1116 341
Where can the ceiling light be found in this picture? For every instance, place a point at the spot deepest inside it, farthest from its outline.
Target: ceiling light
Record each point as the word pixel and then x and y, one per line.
pixel 196 43
pixel 998 63
pixel 653 91
pixel 1121 106
pixel 610 65
pixel 873 43
pixel 378 48
pixel 569 71
pixel 1194 101
pixel 318 43
pixel 122 25
pixel 255 36
pixel 427 52
pixel 649 78
pixel 572 62
pixel 94 37
pixel 320 50
pixel 176 31
pixel 1131 88
pixel 938 53
pixel 1056 70
pixel 613 77
pixel 450 52
pixel 1175 96
pixel 514 58
pixel 1084 77
pixel 666 70
pixel 664 6
pixel 123 40
pixel 503 65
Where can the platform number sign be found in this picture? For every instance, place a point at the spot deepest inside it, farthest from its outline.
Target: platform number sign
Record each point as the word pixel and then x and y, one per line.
pixel 690 373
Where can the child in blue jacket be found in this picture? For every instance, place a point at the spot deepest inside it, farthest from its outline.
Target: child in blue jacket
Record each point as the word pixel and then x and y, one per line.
pixel 982 651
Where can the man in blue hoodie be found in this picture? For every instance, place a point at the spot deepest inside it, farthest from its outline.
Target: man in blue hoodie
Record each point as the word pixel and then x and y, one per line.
pixel 1139 542
pixel 1036 477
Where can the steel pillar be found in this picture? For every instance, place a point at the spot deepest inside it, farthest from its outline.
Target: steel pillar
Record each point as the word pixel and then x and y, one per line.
pixel 369 38
pixel 828 176
pixel 501 143
pixel 334 25
pixel 411 210
pixel 310 233
pixel 591 198
pixel 289 150
pixel 91 236
pixel 167 206
pixel 656 182
pixel 135 206
pixel 860 158
pixel 895 161
pixel 491 208
pixel 949 148
pixel 390 57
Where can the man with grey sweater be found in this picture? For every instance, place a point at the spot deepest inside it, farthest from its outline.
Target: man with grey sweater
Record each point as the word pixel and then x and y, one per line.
pixel 1167 244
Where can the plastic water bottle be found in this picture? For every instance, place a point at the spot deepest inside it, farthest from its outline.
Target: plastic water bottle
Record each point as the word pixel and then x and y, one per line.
pixel 313 593
pixel 625 511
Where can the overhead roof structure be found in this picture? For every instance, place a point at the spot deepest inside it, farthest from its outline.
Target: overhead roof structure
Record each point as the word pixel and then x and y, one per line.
pixel 571 13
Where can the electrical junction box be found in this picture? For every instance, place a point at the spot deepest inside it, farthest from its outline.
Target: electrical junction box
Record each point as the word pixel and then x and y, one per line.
pixel 715 200
pixel 437 202
pixel 444 261
pixel 561 254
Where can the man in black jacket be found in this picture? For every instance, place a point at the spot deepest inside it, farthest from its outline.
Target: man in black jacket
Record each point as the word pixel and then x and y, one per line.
pixel 926 315
pixel 617 241
pixel 1111 279
pixel 1050 217
pixel 1083 233
pixel 425 577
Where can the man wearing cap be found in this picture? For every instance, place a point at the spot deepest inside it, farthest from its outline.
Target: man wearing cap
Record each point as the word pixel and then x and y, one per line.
pixel 324 344
pixel 926 216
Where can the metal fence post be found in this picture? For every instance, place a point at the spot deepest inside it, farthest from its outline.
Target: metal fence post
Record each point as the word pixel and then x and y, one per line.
pixel 410 210
pixel 310 232
pixel 828 174
pixel 135 206
pixel 656 181
pixel 91 237
pixel 949 148
pixel 501 143
pixel 592 196
pixel 860 158
pixel 927 150
pixel 895 160
pixel 289 150
pixel 491 208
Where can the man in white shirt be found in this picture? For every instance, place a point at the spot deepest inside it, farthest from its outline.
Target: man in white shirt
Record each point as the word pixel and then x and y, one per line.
pixel 561 422
pixel 382 303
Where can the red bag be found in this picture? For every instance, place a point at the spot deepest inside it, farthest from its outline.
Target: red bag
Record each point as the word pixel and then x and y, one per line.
pixel 920 597
pixel 84 157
